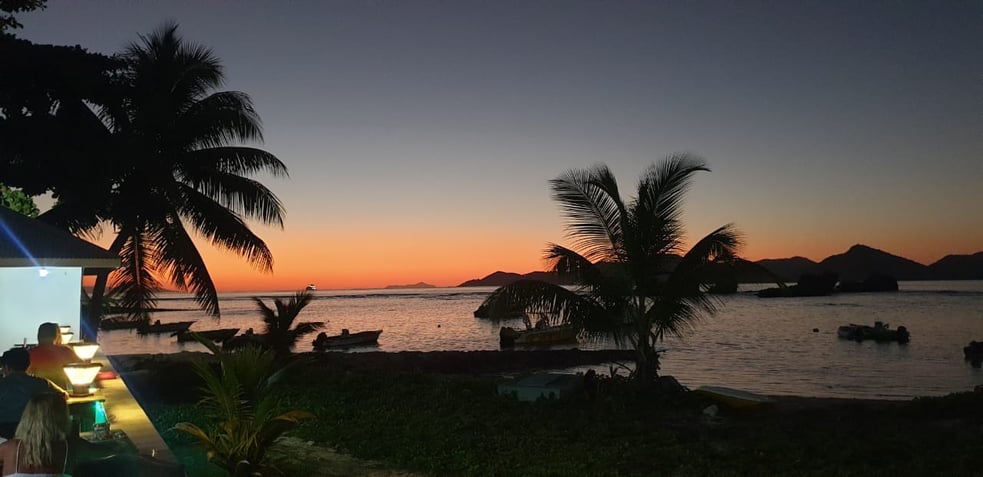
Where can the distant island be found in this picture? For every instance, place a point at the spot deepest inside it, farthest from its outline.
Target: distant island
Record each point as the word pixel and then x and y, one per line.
pixel 415 285
pixel 857 263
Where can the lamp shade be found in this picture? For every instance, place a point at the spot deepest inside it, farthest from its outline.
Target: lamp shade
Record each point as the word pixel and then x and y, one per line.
pixel 81 376
pixel 85 351
pixel 65 328
pixel 67 337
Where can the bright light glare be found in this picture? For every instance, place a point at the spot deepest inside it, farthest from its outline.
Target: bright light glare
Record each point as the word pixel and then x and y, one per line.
pixel 42 272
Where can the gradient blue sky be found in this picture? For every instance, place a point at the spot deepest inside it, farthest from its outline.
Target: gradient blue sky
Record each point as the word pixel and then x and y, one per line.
pixel 420 135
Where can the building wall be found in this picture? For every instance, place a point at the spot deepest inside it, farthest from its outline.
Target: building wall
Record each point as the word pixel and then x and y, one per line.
pixel 27 299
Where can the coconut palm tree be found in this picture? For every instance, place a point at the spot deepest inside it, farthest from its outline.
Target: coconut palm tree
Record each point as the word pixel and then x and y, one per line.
pixel 633 281
pixel 179 171
pixel 279 333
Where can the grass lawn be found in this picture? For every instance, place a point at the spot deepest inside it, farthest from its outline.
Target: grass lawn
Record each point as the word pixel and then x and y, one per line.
pixel 425 423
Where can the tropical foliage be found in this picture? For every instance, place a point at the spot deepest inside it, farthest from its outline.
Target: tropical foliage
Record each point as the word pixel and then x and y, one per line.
pixel 187 173
pixel 239 398
pixel 633 280
pixel 9 7
pixel 18 201
pixel 279 333
pixel 145 143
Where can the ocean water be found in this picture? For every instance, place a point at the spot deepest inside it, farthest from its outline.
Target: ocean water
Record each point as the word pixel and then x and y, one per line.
pixel 761 345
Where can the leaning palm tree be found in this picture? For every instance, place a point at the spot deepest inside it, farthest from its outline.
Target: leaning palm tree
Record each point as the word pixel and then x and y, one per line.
pixel 279 333
pixel 181 170
pixel 633 280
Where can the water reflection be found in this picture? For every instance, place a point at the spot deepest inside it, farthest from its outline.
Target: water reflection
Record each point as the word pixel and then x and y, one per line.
pixel 761 345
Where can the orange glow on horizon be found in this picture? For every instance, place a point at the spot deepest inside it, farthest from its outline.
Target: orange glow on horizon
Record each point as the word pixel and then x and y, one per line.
pixel 372 259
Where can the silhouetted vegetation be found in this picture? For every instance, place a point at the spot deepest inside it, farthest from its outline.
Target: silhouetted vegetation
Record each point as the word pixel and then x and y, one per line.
pixel 9 7
pixel 18 201
pixel 647 289
pixel 241 416
pixel 280 333
pixel 143 142
pixel 438 424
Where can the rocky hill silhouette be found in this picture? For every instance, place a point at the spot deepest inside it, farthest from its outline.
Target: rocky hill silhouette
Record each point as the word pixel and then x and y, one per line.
pixel 959 267
pixel 857 264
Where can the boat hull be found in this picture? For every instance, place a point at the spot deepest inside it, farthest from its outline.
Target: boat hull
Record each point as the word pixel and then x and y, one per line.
pixel 177 327
pixel 220 336
pixel 879 332
pixel 509 336
pixel 352 339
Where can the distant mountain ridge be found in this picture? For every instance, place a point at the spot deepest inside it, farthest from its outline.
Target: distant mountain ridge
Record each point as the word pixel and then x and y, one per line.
pixel 857 263
pixel 415 285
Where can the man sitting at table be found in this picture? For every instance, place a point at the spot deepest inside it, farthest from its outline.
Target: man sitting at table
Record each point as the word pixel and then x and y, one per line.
pixel 50 356
pixel 17 388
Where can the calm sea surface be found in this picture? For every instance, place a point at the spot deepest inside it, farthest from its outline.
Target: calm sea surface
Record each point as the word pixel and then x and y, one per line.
pixel 761 345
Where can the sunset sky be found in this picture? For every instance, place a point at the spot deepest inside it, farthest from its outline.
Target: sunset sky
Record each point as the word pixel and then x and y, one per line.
pixel 420 136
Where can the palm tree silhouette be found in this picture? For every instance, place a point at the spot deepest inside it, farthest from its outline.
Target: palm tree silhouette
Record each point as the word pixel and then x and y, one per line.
pixel 177 168
pixel 633 283
pixel 279 333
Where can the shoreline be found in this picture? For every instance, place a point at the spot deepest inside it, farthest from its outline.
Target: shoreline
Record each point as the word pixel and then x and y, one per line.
pixel 146 369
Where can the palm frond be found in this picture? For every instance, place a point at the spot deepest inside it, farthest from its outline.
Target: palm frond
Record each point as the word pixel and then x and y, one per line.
pixel 568 263
pixel 278 335
pixel 658 207
pixel 693 270
pixel 239 160
pixel 220 119
pixel 240 195
pixel 594 211
pixel 224 229
pixel 179 259
pixel 134 281
pixel 164 62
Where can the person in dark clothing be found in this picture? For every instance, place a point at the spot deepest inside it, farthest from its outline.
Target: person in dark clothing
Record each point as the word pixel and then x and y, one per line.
pixel 17 388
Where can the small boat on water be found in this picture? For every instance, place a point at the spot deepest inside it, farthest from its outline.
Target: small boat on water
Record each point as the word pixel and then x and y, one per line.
pixel 880 333
pixel 218 336
pixel 734 398
pixel 119 323
pixel 346 339
pixel 544 336
pixel 158 327
pixel 246 339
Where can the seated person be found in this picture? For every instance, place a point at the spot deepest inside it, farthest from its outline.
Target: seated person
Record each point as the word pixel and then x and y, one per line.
pixel 17 388
pixel 49 356
pixel 44 444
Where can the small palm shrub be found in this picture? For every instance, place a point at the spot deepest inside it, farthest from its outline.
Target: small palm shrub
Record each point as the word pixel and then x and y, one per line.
pixel 238 395
pixel 280 334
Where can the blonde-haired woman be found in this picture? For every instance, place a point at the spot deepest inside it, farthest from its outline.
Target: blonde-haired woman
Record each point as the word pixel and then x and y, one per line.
pixel 40 444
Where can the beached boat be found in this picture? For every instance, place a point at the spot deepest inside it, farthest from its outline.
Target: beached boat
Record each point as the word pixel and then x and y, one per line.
pixel 158 327
pixel 311 287
pixel 219 336
pixel 545 336
pixel 346 339
pixel 734 398
pixel 880 332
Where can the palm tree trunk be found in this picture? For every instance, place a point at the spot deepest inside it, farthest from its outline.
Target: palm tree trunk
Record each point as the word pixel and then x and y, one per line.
pixel 92 316
pixel 646 358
